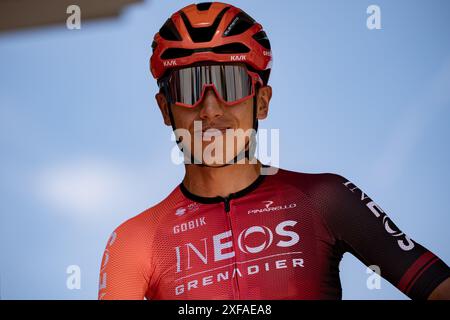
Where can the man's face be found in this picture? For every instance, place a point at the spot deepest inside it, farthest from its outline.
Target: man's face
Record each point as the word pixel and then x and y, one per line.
pixel 218 132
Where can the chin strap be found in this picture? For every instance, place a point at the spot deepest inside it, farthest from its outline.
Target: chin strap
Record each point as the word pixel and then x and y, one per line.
pixel 248 152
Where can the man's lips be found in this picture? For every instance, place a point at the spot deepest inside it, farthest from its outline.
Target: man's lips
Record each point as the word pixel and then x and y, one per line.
pixel 223 129
pixel 214 129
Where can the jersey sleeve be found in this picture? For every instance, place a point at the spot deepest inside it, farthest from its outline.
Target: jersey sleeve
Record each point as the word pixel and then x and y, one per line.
pixel 361 227
pixel 125 270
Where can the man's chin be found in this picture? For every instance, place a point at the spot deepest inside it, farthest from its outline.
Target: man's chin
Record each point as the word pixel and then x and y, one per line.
pixel 220 160
pixel 217 162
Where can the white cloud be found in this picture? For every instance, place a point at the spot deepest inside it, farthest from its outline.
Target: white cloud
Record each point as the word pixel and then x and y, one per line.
pixel 83 188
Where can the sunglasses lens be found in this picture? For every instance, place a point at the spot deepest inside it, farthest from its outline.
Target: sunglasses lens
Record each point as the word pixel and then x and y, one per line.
pixel 232 83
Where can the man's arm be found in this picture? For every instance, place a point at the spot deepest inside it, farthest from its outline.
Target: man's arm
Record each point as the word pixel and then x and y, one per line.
pixel 124 272
pixel 442 292
pixel 362 228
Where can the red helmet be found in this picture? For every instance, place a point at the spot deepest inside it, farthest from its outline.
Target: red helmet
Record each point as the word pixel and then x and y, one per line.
pixel 210 31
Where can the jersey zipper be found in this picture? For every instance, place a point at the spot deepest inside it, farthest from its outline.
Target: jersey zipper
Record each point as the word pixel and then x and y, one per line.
pixel 226 202
pixel 235 282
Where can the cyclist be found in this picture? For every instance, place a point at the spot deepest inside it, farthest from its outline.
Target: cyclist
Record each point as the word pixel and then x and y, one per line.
pixel 235 228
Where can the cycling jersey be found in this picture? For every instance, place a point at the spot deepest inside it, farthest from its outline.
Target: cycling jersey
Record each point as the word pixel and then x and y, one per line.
pixel 282 237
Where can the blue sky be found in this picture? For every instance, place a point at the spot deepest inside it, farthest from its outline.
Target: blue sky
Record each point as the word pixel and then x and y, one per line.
pixel 84 147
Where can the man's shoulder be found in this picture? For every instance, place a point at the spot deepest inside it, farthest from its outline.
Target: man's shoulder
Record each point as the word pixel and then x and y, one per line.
pixel 145 223
pixel 310 179
pixel 321 188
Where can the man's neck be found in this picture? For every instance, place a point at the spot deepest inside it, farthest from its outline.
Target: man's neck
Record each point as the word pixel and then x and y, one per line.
pixel 207 181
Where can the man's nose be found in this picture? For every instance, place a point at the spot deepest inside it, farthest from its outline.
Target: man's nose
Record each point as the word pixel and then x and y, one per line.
pixel 211 107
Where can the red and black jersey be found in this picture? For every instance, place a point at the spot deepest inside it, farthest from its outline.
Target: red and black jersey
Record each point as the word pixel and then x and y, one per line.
pixel 282 237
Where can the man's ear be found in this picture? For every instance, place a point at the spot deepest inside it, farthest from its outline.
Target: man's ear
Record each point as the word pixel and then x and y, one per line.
pixel 263 97
pixel 164 107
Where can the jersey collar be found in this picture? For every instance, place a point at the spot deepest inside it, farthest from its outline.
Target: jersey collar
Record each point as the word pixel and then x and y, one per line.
pixel 218 199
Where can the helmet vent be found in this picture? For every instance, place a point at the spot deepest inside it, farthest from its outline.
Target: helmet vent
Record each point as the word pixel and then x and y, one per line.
pixel 231 48
pixel 173 53
pixel 169 32
pixel 203 6
pixel 239 24
pixel 261 38
pixel 203 34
